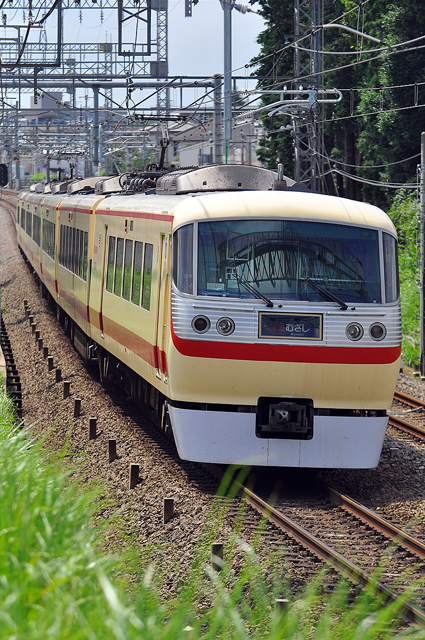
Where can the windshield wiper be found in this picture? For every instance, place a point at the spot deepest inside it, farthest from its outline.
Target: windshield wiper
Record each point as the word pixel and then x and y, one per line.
pixel 249 287
pixel 325 293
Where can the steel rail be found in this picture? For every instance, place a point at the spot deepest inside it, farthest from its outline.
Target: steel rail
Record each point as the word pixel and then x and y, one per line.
pixel 409 400
pixel 385 527
pixel 407 427
pixel 329 555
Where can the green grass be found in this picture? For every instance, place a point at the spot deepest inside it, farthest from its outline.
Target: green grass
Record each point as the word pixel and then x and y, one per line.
pixel 54 585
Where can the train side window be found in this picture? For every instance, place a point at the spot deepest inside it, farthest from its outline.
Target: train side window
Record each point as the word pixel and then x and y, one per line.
pixel 128 258
pixel 64 247
pixel 147 277
pixel 28 228
pixel 67 249
pixel 80 253
pixel 118 266
pixel 137 272
pixel 183 258
pixel 71 249
pixel 52 239
pixel 49 238
pixel 61 243
pixel 390 268
pixel 85 251
pixel 36 230
pixel 111 263
pixel 69 246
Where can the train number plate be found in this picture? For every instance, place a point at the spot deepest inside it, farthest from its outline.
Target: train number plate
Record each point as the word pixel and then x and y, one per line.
pixel 297 326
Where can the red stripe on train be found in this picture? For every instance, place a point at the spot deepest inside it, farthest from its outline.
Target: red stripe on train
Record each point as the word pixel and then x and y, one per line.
pixel 286 353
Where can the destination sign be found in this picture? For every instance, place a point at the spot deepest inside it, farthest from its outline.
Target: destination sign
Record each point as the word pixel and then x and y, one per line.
pixel 297 326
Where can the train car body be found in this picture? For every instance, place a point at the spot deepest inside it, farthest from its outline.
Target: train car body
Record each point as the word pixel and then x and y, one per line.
pixel 263 326
pixel 50 240
pixel 30 228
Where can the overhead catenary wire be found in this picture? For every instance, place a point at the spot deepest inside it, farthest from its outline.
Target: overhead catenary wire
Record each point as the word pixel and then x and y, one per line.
pixel 374 183
pixel 29 27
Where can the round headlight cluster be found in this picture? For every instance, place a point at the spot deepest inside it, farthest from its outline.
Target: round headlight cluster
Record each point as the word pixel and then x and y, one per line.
pixel 201 324
pixel 225 326
pixel 377 331
pixel 354 331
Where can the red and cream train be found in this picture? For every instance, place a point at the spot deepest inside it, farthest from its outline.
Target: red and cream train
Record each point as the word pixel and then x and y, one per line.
pixel 260 322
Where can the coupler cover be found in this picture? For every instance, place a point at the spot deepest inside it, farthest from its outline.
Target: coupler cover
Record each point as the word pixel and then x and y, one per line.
pixel 285 418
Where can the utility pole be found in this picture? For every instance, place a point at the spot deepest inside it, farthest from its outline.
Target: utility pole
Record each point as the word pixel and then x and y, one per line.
pixel 227 10
pixel 96 127
pixel 218 121
pixel 422 305
pixel 307 134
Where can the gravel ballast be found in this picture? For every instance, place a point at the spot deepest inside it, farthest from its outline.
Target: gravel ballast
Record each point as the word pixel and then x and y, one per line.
pixel 396 488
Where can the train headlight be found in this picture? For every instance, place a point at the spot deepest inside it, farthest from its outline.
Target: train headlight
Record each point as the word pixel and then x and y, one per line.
pixel 377 331
pixel 201 324
pixel 225 326
pixel 354 331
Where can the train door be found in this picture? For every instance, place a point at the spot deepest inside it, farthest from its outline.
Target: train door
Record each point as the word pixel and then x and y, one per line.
pixel 162 303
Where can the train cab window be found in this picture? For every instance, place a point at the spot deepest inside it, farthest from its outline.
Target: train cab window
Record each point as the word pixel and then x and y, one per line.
pixel 137 273
pixel 183 258
pixel 390 268
pixel 147 277
pixel 289 260
pixel 111 263
pixel 118 266
pixel 128 258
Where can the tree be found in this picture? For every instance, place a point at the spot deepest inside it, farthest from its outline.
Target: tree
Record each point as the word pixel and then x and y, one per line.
pixel 372 84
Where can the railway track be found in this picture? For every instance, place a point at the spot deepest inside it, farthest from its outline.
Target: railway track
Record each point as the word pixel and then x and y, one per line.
pixel 408 553
pixel 406 427
pixel 308 549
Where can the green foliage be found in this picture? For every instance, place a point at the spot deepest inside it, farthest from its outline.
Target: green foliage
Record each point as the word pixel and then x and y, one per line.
pixel 37 177
pixel 371 83
pixel 404 213
pixel 54 586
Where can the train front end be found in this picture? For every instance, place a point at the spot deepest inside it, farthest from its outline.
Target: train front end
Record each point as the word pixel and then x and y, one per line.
pixel 286 331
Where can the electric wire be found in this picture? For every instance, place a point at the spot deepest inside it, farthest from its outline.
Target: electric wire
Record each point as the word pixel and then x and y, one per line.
pixel 374 183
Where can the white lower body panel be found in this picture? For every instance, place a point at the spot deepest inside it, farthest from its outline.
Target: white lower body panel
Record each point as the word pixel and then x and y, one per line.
pixel 229 438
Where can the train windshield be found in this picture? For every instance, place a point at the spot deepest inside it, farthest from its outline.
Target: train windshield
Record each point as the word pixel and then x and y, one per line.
pixel 289 260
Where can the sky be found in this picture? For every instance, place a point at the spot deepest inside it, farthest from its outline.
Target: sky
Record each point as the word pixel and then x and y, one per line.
pixel 195 44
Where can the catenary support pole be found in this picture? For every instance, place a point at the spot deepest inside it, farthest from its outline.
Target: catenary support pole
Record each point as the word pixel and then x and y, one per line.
pixel 227 10
pixel 218 120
